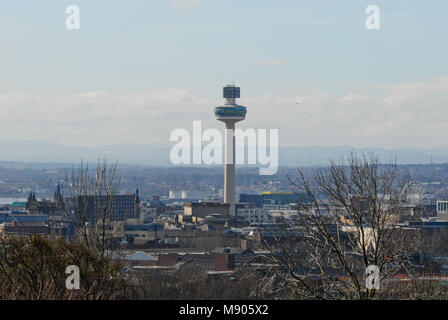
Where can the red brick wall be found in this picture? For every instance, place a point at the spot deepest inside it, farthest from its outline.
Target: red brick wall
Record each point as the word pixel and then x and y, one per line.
pixel 224 262
pixel 167 259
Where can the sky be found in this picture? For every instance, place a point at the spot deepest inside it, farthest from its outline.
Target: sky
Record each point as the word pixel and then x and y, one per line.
pixel 138 69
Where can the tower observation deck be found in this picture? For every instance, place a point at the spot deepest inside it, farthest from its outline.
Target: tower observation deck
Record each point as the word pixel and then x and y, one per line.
pixel 231 111
pixel 230 114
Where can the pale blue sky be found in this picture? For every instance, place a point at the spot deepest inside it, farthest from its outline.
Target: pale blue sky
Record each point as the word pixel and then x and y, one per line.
pixel 276 50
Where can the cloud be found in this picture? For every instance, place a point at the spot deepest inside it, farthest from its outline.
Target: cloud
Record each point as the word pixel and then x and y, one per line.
pixel 272 63
pixel 186 4
pixel 353 97
pixel 100 117
pixel 397 115
pixel 401 93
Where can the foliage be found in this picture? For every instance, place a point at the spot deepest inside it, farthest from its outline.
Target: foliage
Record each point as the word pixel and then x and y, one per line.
pixel 33 268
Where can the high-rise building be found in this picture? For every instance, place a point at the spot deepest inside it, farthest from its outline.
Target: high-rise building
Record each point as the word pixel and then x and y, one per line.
pixel 230 114
pixel 116 207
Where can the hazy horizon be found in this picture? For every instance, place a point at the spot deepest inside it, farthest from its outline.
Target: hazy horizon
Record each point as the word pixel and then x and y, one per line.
pixel 159 154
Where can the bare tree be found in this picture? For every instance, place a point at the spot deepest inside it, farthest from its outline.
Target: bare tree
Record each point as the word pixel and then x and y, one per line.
pixel 349 217
pixel 91 194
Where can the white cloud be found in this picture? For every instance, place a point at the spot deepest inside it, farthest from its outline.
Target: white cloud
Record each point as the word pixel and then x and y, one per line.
pixel 401 93
pixel 100 118
pixel 353 97
pixel 407 114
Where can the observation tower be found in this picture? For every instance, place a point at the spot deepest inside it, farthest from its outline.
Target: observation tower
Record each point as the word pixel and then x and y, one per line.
pixel 230 114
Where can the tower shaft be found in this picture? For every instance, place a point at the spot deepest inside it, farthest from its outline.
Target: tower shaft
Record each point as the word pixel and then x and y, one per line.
pixel 229 167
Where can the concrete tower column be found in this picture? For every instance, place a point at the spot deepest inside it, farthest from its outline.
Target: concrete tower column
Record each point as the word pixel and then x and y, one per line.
pixel 229 167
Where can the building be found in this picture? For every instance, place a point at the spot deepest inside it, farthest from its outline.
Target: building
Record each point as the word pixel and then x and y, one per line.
pixel 44 206
pixel 195 194
pixel 175 194
pixel 252 214
pixel 230 114
pixel 148 212
pixel 191 237
pixel 256 199
pixel 281 197
pixel 278 213
pixel 224 261
pixel 442 209
pixel 203 209
pixel 22 218
pixel 24 229
pixel 189 194
pixel 18 207
pixel 140 258
pixel 272 198
pixel 118 207
pixel 137 233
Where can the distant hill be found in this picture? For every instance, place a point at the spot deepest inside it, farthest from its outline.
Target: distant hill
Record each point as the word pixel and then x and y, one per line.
pixel 318 155
pixel 158 154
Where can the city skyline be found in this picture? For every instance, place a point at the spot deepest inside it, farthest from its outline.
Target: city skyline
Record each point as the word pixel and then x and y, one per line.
pixel 323 175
